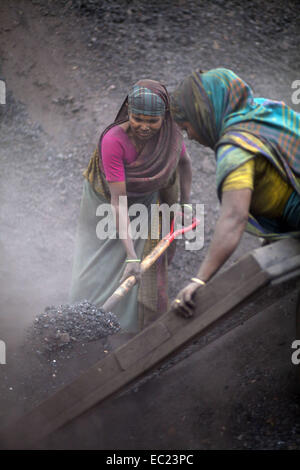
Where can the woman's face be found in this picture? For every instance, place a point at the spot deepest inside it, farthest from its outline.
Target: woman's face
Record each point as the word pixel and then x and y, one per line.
pixel 144 127
pixel 191 133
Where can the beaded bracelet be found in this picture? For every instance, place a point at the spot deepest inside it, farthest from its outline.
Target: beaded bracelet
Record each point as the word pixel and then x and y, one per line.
pixel 133 261
pixel 198 281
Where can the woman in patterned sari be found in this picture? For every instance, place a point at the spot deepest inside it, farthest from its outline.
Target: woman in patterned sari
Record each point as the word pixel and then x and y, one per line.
pixel 140 156
pixel 257 147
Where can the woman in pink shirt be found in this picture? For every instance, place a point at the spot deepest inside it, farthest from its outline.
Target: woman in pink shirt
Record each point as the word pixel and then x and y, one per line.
pixel 140 159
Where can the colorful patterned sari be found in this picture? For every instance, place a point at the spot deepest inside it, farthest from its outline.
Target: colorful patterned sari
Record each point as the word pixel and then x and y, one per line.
pixel 221 108
pixel 99 263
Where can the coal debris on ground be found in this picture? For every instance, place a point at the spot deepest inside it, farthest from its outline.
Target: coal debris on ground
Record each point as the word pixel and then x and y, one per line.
pixel 60 326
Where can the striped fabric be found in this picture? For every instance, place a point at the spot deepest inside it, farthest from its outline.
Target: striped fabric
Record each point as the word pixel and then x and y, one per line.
pixel 153 175
pixel 228 159
pixel 221 108
pixel 142 100
pixel 156 163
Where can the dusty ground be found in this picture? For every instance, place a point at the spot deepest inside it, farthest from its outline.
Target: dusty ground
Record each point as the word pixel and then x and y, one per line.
pixel 67 67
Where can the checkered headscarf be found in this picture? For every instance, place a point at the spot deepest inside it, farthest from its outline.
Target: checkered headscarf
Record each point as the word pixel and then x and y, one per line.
pixel 142 100
pixel 157 161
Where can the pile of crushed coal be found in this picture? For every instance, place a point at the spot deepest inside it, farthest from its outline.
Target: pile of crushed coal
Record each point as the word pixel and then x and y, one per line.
pixel 63 325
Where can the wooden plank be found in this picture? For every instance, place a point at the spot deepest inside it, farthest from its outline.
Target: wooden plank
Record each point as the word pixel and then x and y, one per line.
pixel 146 349
pixel 274 253
pixel 137 356
pixel 284 267
pixel 151 338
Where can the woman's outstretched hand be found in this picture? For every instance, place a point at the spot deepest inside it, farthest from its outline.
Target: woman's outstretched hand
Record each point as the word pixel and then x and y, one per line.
pixel 132 269
pixel 184 304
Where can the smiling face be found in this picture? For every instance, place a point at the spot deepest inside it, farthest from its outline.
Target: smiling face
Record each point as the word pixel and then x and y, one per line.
pixel 144 127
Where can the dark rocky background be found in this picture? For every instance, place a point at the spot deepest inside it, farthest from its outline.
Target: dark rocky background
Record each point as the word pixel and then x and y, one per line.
pixel 67 67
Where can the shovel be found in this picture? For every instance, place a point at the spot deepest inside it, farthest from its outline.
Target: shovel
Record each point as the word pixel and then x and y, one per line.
pixel 147 262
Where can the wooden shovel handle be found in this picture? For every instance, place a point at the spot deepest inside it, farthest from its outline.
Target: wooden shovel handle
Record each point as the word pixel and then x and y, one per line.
pixel 126 285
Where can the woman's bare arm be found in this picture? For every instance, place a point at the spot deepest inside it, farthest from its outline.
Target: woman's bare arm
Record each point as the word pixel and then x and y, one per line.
pixel 118 189
pixel 185 177
pixel 228 232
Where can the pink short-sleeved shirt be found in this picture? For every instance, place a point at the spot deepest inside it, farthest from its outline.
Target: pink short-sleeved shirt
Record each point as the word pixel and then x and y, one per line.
pixel 118 150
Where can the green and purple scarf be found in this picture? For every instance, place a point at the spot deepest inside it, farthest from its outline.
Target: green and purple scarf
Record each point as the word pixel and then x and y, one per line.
pixel 221 108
